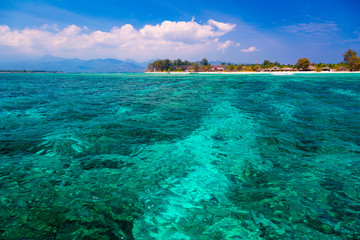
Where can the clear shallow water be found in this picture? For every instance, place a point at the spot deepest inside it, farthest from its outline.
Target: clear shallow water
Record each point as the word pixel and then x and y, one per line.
pixel 136 156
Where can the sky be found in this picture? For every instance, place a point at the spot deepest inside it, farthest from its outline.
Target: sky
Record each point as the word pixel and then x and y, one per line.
pixel 227 30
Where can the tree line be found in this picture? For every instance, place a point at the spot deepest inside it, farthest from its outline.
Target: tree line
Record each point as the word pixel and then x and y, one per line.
pixel 178 65
pixel 351 62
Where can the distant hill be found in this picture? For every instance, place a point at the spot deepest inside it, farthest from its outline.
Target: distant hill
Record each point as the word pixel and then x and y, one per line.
pixel 51 63
pixel 75 65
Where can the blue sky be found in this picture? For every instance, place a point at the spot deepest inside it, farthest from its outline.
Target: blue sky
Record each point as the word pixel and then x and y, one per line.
pixel 227 30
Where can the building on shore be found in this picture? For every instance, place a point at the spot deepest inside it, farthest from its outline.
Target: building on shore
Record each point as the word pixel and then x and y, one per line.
pixel 273 69
pixel 343 69
pixel 311 68
pixel 217 68
pixel 287 69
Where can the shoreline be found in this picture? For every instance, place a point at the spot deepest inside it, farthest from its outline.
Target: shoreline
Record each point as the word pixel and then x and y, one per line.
pixel 188 73
pixel 255 73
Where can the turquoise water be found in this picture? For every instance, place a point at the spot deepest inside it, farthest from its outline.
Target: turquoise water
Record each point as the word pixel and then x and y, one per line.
pixel 136 156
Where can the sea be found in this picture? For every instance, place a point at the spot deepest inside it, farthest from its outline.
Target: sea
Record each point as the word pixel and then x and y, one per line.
pixel 179 157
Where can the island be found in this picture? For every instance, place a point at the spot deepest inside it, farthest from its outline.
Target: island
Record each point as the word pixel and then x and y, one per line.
pixel 351 63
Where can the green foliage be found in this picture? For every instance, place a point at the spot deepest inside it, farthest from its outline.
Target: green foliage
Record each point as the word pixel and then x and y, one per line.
pixel 178 62
pixel 180 69
pixel 255 68
pixel 204 62
pixel 205 68
pixel 167 64
pixel 158 65
pixel 303 63
pixel 349 54
pixel 319 65
pixel 186 63
pixel 353 61
pixel 230 67
pixel 341 67
pixel 195 66
pixel 266 63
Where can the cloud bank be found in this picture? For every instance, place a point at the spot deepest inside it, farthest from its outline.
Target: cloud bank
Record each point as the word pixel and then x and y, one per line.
pixel 161 40
pixel 250 49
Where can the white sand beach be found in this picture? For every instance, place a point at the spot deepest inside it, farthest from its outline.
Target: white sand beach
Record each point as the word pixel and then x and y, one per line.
pixel 255 73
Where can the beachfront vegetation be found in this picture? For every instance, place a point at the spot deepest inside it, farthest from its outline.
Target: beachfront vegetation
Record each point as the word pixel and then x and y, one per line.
pixel 351 62
pixel 349 54
pixel 204 62
pixel 303 63
pixel 168 65
pixel 195 67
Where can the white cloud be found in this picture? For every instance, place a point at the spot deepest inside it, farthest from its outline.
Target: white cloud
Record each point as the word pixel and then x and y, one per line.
pixel 225 45
pixel 222 27
pixel 186 31
pixel 312 28
pixel 250 49
pixel 167 38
